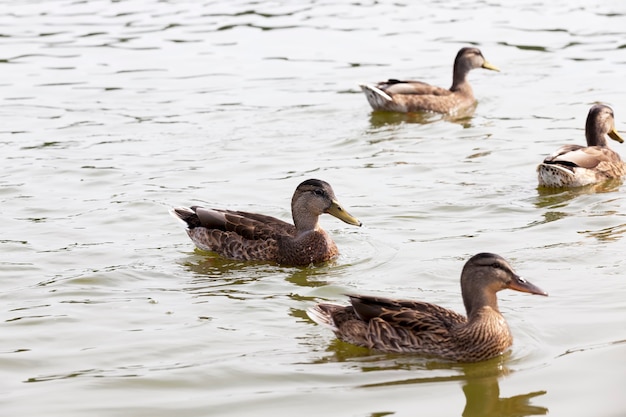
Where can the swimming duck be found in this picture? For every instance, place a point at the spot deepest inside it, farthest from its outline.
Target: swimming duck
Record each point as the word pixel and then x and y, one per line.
pixel 411 96
pixel 577 165
pixel 405 326
pixel 249 236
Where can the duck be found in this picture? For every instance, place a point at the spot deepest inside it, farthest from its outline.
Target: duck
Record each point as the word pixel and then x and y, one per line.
pixel 248 236
pixel 577 165
pixel 416 96
pixel 405 326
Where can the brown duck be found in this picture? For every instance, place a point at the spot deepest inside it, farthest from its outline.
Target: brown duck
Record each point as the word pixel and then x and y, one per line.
pixel 413 96
pixel 250 236
pixel 405 326
pixel 577 165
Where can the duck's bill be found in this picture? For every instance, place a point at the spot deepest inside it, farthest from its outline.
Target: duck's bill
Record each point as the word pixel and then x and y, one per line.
pixel 336 210
pixel 520 284
pixel 491 67
pixel 615 136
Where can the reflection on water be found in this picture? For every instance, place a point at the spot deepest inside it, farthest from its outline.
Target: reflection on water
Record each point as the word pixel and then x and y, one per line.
pixel 207 266
pixel 555 197
pixel 482 396
pixel 316 275
pixel 383 118
pixel 307 278
pixel 558 200
pixel 341 351
pixel 214 275
pixel 480 381
pixel 607 234
pixel 481 388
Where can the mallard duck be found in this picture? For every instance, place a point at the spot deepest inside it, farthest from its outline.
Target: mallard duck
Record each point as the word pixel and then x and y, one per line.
pixel 412 96
pixel 389 325
pixel 577 165
pixel 250 236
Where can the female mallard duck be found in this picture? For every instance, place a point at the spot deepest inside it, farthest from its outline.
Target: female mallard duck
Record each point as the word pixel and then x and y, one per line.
pixel 417 327
pixel 577 165
pixel 412 96
pixel 250 236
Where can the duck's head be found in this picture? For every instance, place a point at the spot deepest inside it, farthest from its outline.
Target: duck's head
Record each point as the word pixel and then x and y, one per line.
pixel 313 198
pixel 484 275
pixel 601 122
pixel 469 58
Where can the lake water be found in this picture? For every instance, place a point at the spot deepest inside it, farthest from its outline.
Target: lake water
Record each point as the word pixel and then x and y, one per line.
pixel 112 112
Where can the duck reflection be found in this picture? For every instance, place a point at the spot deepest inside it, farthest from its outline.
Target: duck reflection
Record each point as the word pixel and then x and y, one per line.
pixel 608 234
pixel 551 197
pixel 482 399
pixel 480 381
pixel 382 118
pixel 214 275
pixel 557 199
pixel 209 265
pixel 311 277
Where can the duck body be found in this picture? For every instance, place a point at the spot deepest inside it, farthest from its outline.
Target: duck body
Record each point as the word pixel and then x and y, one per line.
pixel 250 236
pixel 405 326
pixel 412 96
pixel 577 165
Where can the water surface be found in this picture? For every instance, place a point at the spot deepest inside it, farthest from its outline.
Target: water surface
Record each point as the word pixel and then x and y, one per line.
pixel 115 111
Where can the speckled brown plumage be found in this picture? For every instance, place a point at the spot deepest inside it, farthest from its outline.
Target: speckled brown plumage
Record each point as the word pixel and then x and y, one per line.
pixel 577 165
pixel 406 326
pixel 411 96
pixel 250 236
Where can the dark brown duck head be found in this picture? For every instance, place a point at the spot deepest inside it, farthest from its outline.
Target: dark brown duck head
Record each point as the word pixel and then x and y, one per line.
pixel 601 122
pixel 313 198
pixel 466 60
pixel 483 276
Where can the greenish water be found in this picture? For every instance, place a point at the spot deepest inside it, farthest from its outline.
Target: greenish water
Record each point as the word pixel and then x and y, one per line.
pixel 115 111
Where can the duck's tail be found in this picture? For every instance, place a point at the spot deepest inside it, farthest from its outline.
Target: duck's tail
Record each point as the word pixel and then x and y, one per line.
pixel 186 216
pixel 555 175
pixel 375 92
pixel 321 316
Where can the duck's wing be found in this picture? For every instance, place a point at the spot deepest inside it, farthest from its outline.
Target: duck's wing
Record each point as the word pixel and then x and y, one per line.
pixel 390 325
pixel 263 225
pixel 393 325
pixel 415 96
pixel 590 157
pixel 233 245
pixel 415 316
pixel 250 226
pixel 393 86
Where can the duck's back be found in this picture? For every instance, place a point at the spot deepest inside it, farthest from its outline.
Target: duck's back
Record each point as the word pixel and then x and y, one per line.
pixel 575 166
pixel 392 325
pixel 414 96
pixel 249 225
pixel 393 86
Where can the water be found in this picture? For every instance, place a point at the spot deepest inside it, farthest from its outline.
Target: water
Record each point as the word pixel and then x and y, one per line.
pixel 115 111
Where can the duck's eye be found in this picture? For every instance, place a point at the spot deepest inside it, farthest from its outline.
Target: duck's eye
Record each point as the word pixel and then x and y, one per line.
pixel 501 267
pixel 319 192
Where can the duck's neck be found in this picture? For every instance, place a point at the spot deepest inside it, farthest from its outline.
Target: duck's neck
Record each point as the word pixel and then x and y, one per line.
pixel 304 220
pixel 475 303
pixel 594 134
pixel 459 78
